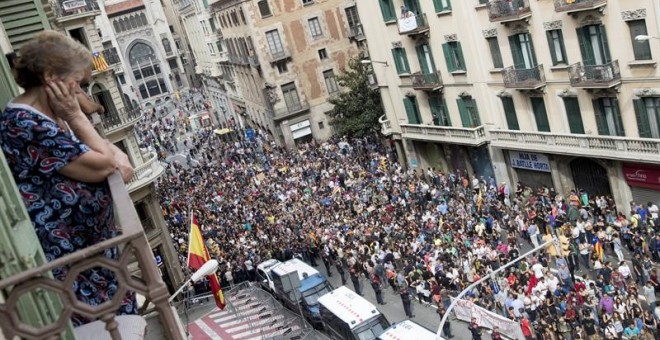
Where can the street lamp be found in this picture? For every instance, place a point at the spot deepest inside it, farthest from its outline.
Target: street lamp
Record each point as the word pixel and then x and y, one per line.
pixel 368 61
pixel 206 269
pixel 642 37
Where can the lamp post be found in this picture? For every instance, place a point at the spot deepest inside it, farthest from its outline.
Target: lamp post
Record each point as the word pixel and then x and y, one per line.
pixel 643 37
pixel 368 61
pixel 206 269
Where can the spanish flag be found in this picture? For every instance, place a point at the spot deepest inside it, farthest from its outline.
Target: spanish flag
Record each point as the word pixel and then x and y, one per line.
pixel 99 62
pixel 198 255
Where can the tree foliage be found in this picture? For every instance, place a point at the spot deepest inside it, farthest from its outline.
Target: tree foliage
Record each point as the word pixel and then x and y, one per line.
pixel 358 106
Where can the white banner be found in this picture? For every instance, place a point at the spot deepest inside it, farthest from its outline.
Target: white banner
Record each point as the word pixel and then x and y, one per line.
pixel 466 310
pixel 529 161
pixel 407 24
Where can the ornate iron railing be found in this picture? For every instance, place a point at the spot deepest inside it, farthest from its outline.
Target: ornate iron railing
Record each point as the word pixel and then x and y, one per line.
pixel 426 81
pixel 66 9
pixel 113 120
pixel 529 78
pixel 604 75
pixel 577 5
pixel 506 10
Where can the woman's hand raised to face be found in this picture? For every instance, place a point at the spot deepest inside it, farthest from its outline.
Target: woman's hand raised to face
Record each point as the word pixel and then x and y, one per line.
pixel 62 99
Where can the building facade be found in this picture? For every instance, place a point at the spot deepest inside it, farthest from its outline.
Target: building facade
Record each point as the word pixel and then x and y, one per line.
pixel 556 93
pixel 181 42
pixel 281 61
pixel 77 19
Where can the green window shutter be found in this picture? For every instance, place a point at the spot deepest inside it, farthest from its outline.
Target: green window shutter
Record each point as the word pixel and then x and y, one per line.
pixel 585 46
pixel 424 67
pixel 642 49
pixel 437 4
pixel 531 49
pixel 642 118
pixel 551 44
pixel 448 4
pixel 404 60
pixel 473 112
pixel 574 115
pixel 22 19
pixel 461 59
pixel 436 110
pixel 540 114
pixel 516 52
pixel 396 54
pixel 387 9
pixel 618 121
pixel 411 110
pixel 495 52
pixel 510 113
pixel 462 110
pixel 601 123
pixel 604 42
pixel 446 49
pixel 445 113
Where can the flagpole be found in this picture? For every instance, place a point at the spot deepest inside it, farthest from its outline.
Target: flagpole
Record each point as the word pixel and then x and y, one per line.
pixel 189 235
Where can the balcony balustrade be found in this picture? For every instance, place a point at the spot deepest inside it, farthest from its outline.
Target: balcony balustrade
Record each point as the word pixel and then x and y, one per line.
pixel 356 32
pixel 427 82
pixel 66 10
pixel 573 6
pixel 385 125
pixel 524 79
pixel 508 10
pixel 276 56
pixel 145 173
pixel 445 134
pixel 114 120
pixel 595 76
pixel 291 110
pixel 413 24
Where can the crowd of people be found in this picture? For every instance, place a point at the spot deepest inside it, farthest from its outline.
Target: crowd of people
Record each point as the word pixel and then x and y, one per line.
pixel 425 234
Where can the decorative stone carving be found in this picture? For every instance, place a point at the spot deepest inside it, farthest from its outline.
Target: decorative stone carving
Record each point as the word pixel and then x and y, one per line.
pixel 451 37
pixel 490 33
pixel 270 91
pixel 397 44
pixel 567 92
pixel 520 28
pixel 646 92
pixel 504 93
pixel 590 20
pixel 411 94
pixel 552 25
pixel 635 14
pixel 464 94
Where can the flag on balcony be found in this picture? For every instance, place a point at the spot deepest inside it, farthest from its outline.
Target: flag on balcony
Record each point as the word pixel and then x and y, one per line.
pixel 198 255
pixel 99 62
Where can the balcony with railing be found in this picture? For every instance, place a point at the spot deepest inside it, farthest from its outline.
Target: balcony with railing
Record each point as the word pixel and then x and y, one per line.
pixel 280 55
pixel 524 79
pixel 610 147
pixel 66 10
pixel 595 76
pixel 445 134
pixel 427 81
pixel 385 125
pixel 37 306
pixel 413 24
pixel 290 110
pixel 145 173
pixel 508 10
pixel 356 33
pixel 573 6
pixel 117 119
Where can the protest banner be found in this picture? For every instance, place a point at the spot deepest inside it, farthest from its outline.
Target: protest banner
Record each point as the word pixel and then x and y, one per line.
pixel 466 310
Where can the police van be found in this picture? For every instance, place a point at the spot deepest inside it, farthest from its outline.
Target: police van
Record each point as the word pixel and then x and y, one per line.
pixel 407 330
pixel 263 274
pixel 347 315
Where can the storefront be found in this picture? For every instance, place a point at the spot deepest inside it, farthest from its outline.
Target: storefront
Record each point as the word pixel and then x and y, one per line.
pixel 301 131
pixel 644 182
pixel 532 169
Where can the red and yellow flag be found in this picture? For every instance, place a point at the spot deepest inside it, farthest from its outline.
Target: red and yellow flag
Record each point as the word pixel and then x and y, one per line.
pixel 198 255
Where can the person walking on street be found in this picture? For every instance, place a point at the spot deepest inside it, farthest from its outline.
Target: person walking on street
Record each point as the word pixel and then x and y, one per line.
pixel 375 284
pixel 446 328
pixel 405 299
pixel 340 270
pixel 326 263
pixel 354 272
pixel 475 329
pixel 496 335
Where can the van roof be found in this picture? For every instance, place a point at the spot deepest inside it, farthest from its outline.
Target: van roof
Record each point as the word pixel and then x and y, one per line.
pixel 295 265
pixel 407 329
pixel 348 306
pixel 268 264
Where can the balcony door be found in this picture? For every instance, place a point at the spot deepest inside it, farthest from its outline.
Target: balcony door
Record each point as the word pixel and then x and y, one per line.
pixel 413 6
pixel 102 96
pixel 352 16
pixel 426 64
pixel 594 47
pixel 291 99
pixel 522 50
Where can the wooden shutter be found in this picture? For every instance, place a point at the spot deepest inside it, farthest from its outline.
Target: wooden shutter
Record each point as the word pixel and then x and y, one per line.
pixel 531 50
pixel 462 110
pixel 473 112
pixel 449 58
pixel 516 53
pixel 436 110
pixel 642 118
pixel 574 115
pixel 397 61
pixel 551 44
pixel 602 34
pixel 424 67
pixel 445 113
pixel 411 111
pixel 540 114
pixel 510 113
pixel 642 49
pixel 22 19
pixel 601 123
pixel 585 46
pixel 495 52
pixel 459 54
pixel 387 10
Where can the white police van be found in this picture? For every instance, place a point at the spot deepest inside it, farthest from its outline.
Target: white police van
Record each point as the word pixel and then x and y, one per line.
pixel 263 274
pixel 406 329
pixel 347 315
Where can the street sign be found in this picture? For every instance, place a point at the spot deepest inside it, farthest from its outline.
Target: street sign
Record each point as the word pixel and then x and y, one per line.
pixel 249 133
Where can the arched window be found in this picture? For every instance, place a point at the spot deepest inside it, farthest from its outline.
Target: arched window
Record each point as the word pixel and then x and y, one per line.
pixel 166 45
pixel 115 24
pixel 122 25
pixel 140 52
pixel 133 22
pixel 143 19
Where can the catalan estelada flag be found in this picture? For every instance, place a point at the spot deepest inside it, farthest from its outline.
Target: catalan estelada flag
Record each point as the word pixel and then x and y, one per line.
pixel 198 255
pixel 99 62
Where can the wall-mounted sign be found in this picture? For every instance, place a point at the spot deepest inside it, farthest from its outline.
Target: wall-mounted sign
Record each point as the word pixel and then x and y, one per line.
pixel 73 4
pixel 642 175
pixel 529 161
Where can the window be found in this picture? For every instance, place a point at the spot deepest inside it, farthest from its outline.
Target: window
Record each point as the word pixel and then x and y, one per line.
pixel 387 9
pixel 642 49
pixel 557 50
pixel 467 107
pixel 315 27
pixel 483 2
pixel 264 8
pixel 594 46
pixel 442 5
pixel 323 54
pixel 211 48
pixel 608 117
pixel 321 126
pixel 495 53
pixel 173 64
pixel 352 16
pixel 330 81
pixel 454 56
pixel 540 114
pixel 121 79
pixel 79 35
pixel 574 115
pixel 647 111
pixel 439 111
pixel 412 111
pixel 212 24
pixel 307 2
pixel 426 63
pixel 522 51
pixel 290 95
pixel 401 60
pixel 510 113
pixel 274 42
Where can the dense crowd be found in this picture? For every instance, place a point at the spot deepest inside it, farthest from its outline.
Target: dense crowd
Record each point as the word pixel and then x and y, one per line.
pixel 426 234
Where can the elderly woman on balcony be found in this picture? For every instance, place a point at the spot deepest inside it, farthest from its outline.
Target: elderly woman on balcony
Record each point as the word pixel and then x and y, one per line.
pixel 60 163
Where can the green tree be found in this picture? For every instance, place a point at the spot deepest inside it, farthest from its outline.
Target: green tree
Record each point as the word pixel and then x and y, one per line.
pixel 358 106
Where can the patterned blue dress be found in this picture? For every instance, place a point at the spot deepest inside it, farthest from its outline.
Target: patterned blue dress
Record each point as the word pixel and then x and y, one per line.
pixel 67 215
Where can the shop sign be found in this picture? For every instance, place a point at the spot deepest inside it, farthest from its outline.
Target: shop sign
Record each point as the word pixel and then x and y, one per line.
pixel 638 175
pixel 529 161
